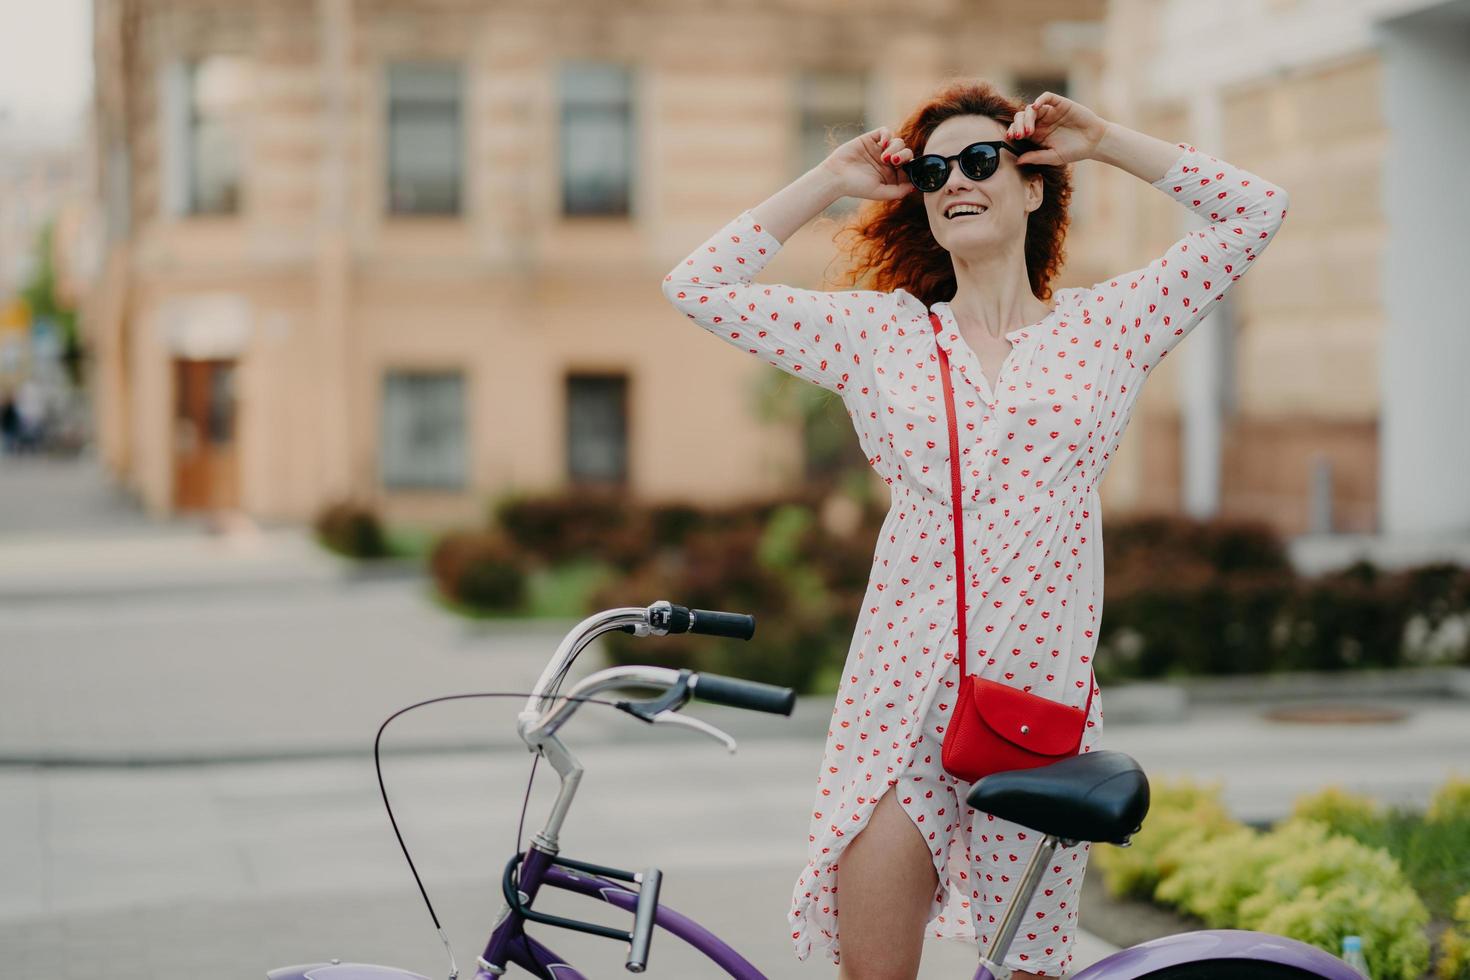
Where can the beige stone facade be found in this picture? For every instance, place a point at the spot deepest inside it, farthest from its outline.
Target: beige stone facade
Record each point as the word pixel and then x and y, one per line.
pixel 318 299
pixel 1296 405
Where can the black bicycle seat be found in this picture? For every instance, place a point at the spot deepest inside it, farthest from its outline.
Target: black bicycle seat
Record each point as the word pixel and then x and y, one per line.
pixel 1094 796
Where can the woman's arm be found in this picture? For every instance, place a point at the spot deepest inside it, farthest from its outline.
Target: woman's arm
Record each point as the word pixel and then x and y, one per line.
pixel 1148 311
pixel 1140 316
pixel 811 334
pixel 826 337
pixel 1145 157
pixel 790 208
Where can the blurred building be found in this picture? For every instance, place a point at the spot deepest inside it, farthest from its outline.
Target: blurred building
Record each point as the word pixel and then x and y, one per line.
pixel 1327 393
pixel 410 250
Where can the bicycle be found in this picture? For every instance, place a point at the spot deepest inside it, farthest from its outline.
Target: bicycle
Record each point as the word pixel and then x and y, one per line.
pixel 1099 796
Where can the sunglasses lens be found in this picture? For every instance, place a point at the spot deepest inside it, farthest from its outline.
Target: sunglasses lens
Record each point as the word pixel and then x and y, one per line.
pixel 928 172
pixel 979 161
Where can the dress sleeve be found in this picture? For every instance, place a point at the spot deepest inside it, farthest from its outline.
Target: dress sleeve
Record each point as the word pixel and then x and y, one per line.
pixel 820 336
pixel 1147 312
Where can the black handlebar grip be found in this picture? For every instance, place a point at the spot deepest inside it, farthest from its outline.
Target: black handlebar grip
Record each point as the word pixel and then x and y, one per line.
pixel 737 693
pixel 715 623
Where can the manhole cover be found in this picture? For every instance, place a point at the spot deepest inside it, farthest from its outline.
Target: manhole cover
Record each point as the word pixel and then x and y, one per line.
pixel 1335 714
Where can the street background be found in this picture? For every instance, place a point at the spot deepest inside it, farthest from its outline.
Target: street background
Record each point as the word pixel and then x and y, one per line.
pixel 283 282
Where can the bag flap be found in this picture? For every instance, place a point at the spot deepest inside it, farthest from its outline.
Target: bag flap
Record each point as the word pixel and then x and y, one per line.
pixel 1052 728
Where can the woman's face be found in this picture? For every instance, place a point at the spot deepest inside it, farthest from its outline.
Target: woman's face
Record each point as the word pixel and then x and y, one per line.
pixel 1007 196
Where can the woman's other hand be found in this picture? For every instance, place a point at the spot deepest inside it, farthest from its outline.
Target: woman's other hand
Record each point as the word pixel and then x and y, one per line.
pixel 1060 130
pixel 867 166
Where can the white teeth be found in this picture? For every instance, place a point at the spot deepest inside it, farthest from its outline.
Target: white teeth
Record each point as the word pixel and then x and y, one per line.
pixel 959 209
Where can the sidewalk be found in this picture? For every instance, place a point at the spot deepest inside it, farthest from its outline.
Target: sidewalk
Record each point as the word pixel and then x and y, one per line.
pixel 124 563
pixel 67 533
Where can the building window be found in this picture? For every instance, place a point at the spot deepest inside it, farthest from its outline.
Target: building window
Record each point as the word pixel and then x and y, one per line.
pixel 596 138
pixel 423 443
pixel 425 138
pixel 597 428
pixel 207 103
pixel 832 109
pixel 1029 87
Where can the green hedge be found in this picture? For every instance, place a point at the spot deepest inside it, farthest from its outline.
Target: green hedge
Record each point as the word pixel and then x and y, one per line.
pixel 1340 865
pixel 1185 597
pixel 801 576
pixel 480 571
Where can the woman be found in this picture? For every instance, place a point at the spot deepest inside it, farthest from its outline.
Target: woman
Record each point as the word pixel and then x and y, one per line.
pixel 1042 395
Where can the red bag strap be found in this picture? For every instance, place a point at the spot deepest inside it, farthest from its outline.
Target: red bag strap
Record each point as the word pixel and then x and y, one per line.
pixel 957 509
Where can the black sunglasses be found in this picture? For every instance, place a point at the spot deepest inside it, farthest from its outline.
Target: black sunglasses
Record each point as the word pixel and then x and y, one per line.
pixel 977 161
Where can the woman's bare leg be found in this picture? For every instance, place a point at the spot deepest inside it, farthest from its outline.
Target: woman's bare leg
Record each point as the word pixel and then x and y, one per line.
pixel 885 887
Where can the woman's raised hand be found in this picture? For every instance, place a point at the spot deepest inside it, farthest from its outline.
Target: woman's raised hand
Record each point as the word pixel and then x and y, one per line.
pixel 867 166
pixel 1064 131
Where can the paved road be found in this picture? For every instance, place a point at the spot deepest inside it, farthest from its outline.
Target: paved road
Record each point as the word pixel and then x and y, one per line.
pixel 120 857
pixel 230 869
pixel 169 870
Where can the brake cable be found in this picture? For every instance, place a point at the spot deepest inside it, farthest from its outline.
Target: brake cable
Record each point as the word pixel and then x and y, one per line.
pixel 525 805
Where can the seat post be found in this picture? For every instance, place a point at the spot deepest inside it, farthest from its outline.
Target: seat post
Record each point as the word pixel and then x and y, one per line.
pixel 1000 943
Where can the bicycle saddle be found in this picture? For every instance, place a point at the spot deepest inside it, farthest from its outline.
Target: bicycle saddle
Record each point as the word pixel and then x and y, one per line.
pixel 1094 796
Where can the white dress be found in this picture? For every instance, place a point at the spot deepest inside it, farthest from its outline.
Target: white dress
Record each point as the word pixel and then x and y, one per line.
pixel 1034 451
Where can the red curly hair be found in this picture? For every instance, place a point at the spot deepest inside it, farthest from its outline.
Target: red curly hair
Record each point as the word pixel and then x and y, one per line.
pixel 893 247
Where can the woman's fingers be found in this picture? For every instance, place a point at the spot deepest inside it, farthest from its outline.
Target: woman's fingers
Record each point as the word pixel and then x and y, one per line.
pixel 896 153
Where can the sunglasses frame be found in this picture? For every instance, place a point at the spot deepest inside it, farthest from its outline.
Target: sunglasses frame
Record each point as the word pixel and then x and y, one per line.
pixel 909 167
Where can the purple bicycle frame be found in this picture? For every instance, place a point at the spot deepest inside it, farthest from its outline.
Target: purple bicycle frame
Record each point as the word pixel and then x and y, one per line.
pixel 509 943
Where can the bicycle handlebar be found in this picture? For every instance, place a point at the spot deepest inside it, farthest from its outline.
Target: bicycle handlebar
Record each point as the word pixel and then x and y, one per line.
pixel 540 717
pixel 666 617
pixel 739 693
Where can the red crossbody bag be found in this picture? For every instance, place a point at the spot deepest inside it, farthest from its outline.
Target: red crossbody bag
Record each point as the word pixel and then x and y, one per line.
pixel 996 727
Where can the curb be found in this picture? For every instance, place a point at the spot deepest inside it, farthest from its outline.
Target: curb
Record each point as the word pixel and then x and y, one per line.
pixel 1133 703
pixel 808 722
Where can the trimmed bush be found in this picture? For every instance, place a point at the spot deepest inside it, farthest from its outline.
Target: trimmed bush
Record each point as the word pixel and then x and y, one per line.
pixel 1189 597
pixel 601 525
pixel 1454 944
pixel 1342 812
pixel 1318 886
pixel 1451 803
pixel 752 559
pixel 1183 815
pixel 1340 865
pixel 481 570
pixel 351 529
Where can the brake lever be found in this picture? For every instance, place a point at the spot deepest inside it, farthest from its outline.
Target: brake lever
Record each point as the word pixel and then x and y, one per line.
pixel 699 725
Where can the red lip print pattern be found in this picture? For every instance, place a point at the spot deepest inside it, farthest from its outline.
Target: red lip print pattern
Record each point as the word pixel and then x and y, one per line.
pixel 1034 452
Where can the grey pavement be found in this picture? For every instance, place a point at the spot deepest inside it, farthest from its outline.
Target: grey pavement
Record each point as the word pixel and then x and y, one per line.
pixel 42 496
pixel 186 783
pixel 238 868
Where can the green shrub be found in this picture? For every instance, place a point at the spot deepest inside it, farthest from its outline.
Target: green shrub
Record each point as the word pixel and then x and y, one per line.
pixel 1319 886
pixel 1182 815
pixel 481 570
pixel 1342 812
pixel 1433 848
pixel 579 524
pixel 1341 864
pixel 743 567
pixel 1303 881
pixel 1350 618
pixel 1186 597
pixel 1451 802
pixel 351 529
pixel 1454 944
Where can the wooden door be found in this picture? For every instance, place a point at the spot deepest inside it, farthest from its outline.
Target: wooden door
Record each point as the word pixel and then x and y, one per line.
pixel 205 464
